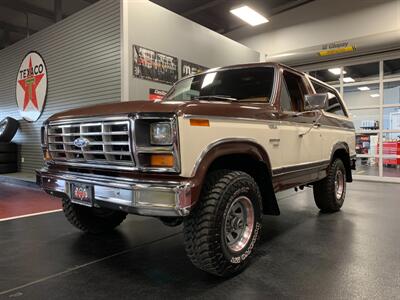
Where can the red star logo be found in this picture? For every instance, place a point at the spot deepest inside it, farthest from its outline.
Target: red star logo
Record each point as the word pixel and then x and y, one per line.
pixel 29 84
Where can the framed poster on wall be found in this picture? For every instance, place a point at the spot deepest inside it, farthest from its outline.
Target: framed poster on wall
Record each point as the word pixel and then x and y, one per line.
pixel 153 65
pixel 156 94
pixel 189 68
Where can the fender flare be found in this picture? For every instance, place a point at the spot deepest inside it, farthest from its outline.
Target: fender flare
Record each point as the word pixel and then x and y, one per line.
pixel 343 146
pixel 235 146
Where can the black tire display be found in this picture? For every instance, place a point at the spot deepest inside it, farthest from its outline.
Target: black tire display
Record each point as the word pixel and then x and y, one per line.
pixel 92 220
pixel 8 157
pixel 8 147
pixel 8 168
pixel 330 192
pixel 8 128
pixel 223 229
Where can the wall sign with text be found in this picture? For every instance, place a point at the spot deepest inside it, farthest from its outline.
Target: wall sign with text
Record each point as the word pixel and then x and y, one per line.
pixel 31 86
pixel 189 68
pixel 155 66
pixel 156 94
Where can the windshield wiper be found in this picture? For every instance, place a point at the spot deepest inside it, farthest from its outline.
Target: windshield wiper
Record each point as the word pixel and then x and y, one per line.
pixel 215 97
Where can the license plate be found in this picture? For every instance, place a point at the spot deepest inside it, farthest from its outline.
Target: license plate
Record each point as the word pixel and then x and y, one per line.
pixel 82 194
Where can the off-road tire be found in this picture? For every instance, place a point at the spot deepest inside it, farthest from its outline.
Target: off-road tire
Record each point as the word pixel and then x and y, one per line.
pixel 325 192
pixel 204 230
pixel 92 220
pixel 11 127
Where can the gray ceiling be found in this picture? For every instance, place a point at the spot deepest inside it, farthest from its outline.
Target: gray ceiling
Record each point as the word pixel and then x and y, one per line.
pixel 215 14
pixel 19 18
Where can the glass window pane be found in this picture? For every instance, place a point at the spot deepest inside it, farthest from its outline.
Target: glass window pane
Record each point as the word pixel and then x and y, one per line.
pixel 391 167
pixel 362 72
pixel 391 68
pixel 334 105
pixel 367 166
pixel 391 92
pixel 391 154
pixel 361 95
pixel 391 118
pixel 367 144
pixel 365 119
pixel 330 76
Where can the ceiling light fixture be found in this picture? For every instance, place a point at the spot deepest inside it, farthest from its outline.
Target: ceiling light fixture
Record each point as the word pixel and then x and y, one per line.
pixel 348 80
pixel 375 95
pixel 249 15
pixel 336 71
pixel 364 88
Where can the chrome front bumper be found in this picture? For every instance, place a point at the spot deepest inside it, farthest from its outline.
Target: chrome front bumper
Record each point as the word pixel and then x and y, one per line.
pixel 150 198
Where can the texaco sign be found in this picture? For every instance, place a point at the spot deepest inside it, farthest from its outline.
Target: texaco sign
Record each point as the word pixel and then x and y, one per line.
pixel 31 88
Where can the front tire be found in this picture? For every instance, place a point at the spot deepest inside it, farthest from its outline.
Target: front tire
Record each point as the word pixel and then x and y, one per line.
pixel 90 219
pixel 330 192
pixel 222 230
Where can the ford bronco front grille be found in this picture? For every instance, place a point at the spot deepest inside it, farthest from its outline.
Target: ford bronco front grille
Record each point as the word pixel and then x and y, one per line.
pixel 107 143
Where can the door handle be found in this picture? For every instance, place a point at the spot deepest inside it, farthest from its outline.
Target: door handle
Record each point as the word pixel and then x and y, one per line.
pixel 275 142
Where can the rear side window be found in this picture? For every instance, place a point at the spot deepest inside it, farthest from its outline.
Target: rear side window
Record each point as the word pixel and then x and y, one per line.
pixel 334 105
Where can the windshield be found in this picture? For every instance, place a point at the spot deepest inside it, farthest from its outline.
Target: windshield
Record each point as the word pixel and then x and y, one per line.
pixel 244 84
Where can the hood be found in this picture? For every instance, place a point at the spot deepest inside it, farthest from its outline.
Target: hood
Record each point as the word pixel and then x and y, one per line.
pixel 200 108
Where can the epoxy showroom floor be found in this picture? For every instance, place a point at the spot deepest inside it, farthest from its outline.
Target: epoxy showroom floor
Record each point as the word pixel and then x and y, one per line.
pixel 302 254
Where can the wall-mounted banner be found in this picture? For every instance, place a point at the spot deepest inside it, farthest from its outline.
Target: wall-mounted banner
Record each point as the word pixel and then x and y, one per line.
pixel 156 94
pixel 336 48
pixel 31 86
pixel 155 66
pixel 189 68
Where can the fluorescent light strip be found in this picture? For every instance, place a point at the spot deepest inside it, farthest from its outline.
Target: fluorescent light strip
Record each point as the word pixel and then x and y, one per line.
pixel 336 71
pixel 249 15
pixel 374 95
pixel 348 80
pixel 364 88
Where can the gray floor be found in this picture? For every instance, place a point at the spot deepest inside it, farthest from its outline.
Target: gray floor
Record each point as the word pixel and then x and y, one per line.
pixel 354 254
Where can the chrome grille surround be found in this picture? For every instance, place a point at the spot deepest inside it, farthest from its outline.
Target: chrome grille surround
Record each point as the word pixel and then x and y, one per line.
pixel 109 142
pixel 68 156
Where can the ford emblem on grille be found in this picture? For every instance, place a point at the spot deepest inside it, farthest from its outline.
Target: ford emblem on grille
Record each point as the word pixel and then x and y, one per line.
pixel 81 142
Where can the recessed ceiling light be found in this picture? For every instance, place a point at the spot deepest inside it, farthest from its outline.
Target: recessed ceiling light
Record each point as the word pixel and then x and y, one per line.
pixel 348 79
pixel 249 15
pixel 364 88
pixel 375 95
pixel 336 71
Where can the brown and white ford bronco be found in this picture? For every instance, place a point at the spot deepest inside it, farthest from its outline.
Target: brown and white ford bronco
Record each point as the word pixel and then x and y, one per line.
pixel 211 154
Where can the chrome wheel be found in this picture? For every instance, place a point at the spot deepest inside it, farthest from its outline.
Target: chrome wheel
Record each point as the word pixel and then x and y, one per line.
pixel 239 224
pixel 339 184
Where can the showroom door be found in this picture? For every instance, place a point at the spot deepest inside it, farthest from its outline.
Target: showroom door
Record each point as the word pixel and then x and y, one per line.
pixel 300 141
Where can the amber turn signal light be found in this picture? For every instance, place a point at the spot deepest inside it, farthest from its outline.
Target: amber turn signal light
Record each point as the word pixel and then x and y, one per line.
pixel 46 155
pixel 162 160
pixel 199 122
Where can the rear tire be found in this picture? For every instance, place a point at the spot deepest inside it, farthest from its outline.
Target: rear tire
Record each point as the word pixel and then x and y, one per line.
pixel 330 192
pixel 222 230
pixel 90 219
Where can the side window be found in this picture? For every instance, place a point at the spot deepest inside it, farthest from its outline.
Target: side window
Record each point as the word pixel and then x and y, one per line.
pixel 292 93
pixel 286 102
pixel 334 106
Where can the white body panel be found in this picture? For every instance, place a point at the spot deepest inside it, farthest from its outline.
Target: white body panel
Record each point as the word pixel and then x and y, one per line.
pixel 281 140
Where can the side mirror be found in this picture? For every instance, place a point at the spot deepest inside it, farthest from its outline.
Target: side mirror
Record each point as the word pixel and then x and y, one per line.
pixel 316 101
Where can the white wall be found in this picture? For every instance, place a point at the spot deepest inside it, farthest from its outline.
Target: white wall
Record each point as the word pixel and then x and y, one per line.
pixel 154 27
pixel 321 22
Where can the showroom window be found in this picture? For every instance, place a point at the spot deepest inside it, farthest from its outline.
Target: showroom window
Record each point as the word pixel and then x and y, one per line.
pixel 371 91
